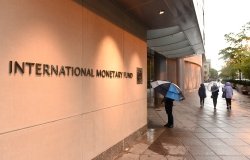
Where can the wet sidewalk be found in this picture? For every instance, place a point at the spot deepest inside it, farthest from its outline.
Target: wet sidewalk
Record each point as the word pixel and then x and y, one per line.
pixel 198 133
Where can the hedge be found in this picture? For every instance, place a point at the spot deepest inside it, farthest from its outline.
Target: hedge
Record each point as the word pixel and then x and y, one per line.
pixel 242 82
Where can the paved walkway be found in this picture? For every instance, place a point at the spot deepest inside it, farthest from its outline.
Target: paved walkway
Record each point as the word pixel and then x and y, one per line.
pixel 198 134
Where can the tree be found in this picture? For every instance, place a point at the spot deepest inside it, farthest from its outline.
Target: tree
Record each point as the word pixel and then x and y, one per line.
pixel 245 67
pixel 213 74
pixel 228 72
pixel 237 54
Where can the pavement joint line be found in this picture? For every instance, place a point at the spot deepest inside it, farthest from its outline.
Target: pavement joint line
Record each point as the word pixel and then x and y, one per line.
pixel 225 124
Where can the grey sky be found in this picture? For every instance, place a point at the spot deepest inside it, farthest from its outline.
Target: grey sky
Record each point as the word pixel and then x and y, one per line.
pixel 222 17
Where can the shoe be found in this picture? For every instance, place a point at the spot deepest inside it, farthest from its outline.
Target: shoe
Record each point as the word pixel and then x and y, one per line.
pixel 230 107
pixel 170 126
pixel 166 125
pixel 227 107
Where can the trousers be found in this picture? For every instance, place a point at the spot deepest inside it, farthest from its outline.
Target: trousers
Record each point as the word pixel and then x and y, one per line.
pixel 169 111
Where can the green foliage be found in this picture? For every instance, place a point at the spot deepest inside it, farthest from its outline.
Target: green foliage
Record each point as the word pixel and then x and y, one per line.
pixel 245 67
pixel 233 81
pixel 229 72
pixel 213 74
pixel 237 54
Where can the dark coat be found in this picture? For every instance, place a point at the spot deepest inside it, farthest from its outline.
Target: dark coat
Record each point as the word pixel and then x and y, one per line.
pixel 215 91
pixel 202 91
pixel 168 102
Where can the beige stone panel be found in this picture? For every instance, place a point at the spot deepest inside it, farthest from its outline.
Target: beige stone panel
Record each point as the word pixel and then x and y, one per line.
pixel 87 82
pixel 34 101
pixel 136 116
pixel 172 70
pixel 108 92
pixel 106 127
pixel 192 76
pixel 60 140
pixel 101 125
pixel 45 32
pixel 104 43
pixel 195 59
pixel 103 51
pixel 135 56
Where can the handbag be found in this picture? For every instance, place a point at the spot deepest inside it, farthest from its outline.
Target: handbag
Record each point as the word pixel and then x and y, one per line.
pixel 224 94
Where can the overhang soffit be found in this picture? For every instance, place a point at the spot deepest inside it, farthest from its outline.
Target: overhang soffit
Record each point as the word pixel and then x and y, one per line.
pixel 173 46
pixel 165 40
pixel 187 53
pixel 178 51
pixel 176 31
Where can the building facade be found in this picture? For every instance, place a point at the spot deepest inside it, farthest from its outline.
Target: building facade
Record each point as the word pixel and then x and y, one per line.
pixel 206 68
pixel 74 78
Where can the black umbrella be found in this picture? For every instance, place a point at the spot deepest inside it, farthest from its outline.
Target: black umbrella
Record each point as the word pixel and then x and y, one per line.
pixel 168 89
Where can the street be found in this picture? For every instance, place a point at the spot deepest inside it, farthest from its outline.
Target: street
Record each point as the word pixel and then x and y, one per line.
pixel 199 133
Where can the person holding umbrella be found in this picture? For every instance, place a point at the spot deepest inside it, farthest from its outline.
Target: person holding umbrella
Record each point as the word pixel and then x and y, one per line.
pixel 171 92
pixel 215 93
pixel 169 110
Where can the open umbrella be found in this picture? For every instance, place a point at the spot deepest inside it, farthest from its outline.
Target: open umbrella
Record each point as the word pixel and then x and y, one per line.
pixel 213 86
pixel 168 89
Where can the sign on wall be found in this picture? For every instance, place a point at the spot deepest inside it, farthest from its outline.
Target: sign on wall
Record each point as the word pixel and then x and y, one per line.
pixel 38 69
pixel 139 75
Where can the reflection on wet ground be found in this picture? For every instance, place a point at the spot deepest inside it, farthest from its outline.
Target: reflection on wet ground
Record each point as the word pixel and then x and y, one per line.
pixel 199 133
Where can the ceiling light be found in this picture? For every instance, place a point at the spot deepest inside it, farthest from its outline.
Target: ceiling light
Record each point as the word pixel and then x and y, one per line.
pixel 161 12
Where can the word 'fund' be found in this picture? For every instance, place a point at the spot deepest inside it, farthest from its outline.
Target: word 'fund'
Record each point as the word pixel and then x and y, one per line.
pixel 56 70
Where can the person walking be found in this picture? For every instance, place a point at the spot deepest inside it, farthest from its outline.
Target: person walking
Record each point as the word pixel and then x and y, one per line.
pixel 215 93
pixel 228 94
pixel 202 94
pixel 169 110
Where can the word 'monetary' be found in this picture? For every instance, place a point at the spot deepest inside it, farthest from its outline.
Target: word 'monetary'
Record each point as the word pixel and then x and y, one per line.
pixel 55 70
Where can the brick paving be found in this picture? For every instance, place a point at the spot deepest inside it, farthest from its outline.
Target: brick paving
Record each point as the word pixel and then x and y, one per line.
pixel 198 133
